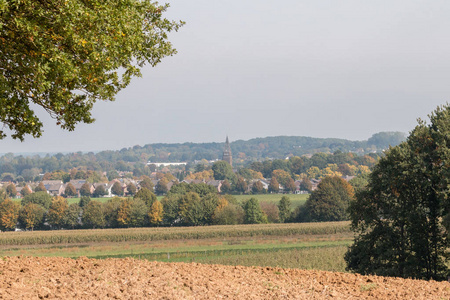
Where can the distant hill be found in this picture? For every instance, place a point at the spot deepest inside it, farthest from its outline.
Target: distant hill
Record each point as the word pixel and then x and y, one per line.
pixel 257 149
pixel 273 147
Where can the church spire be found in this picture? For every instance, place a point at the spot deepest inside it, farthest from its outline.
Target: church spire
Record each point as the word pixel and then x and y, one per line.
pixel 227 153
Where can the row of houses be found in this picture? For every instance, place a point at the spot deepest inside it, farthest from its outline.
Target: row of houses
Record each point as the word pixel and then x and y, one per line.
pixel 57 187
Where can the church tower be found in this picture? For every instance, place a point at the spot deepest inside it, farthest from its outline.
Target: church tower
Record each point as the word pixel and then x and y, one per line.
pixel 227 153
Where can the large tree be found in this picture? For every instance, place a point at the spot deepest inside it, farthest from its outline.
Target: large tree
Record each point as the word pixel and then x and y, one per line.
pixel 40 188
pixel 57 211
pixel 274 186
pixel 257 187
pixel 284 206
pixel 99 191
pixel 146 195
pixel 72 215
pixel 25 191
pixel 31 216
pixel 117 189
pixel 329 202
pixel 399 217
pixel 161 187
pixel 85 189
pixel 41 198
pixel 147 183
pixel 253 213
pixel 94 214
pixel 70 190
pixel 65 55
pixel 132 213
pixel 9 213
pixel 155 213
pixel 11 190
pixel 223 170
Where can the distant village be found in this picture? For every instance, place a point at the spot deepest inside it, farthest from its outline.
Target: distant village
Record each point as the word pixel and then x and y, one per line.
pixel 126 185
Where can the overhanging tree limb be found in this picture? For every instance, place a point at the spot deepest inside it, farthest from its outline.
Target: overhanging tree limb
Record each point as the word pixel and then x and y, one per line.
pixel 65 55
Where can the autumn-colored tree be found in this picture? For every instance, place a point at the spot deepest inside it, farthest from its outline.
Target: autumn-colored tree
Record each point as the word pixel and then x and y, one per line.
pixel 306 185
pixel 9 213
pixel 314 172
pixel 203 175
pixel 195 210
pixel 70 190
pixel 85 190
pixel 230 214
pixel 241 185
pixel 271 211
pixel 31 216
pixel 131 189
pixel 25 191
pixel 169 176
pixel 346 169
pixel 132 213
pixel 257 187
pixel 225 187
pixel 281 176
pixel 246 173
pixel 116 189
pixel 147 183
pixel 57 211
pixel 11 190
pixel 94 215
pixel 161 187
pixel 274 186
pixel 123 213
pixel 290 185
pixel 155 214
pixel 146 195
pixel 40 188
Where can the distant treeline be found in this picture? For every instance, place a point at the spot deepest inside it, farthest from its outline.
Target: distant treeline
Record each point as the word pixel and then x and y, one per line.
pixel 185 205
pixel 244 152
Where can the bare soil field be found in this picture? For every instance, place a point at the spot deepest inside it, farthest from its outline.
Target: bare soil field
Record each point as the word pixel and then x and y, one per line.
pixel 65 278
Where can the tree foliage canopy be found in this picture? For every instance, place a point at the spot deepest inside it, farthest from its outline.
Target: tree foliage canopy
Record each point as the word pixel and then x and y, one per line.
pixel 64 55
pixel 41 198
pixel 400 216
pixel 329 202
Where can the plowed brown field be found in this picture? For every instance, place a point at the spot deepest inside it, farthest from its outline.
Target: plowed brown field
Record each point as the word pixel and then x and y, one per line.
pixel 34 278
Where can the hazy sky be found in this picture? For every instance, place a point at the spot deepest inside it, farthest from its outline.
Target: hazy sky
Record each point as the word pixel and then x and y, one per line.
pixel 257 68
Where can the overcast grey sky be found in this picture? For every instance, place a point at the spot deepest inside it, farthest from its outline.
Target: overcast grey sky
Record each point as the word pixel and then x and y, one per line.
pixel 257 68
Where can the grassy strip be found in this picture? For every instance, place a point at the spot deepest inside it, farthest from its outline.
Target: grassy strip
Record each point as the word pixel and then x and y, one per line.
pixel 180 255
pixel 172 233
pixel 317 258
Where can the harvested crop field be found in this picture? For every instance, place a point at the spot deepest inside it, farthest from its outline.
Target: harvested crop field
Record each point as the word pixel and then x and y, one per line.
pixel 34 278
